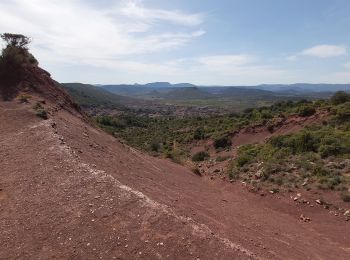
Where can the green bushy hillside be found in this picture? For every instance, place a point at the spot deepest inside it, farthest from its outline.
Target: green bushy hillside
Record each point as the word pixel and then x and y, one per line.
pixel 316 157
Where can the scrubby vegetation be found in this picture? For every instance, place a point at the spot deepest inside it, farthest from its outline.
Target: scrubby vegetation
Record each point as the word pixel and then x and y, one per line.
pixel 161 134
pixel 200 156
pixel 167 135
pixel 40 110
pixel 316 157
pixel 222 142
pixel 24 98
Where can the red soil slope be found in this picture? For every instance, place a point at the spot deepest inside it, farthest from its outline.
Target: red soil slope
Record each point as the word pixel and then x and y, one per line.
pixel 260 133
pixel 70 191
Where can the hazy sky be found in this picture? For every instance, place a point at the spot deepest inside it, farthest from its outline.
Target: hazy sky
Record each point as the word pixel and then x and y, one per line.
pixel 223 42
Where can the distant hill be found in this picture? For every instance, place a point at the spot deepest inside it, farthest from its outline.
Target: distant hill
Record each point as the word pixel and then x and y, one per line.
pixel 89 95
pixel 127 90
pixel 240 91
pixel 147 90
pixel 158 85
pixel 186 93
pixel 305 87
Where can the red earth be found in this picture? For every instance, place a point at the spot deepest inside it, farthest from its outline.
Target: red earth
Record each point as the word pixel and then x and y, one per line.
pixel 68 190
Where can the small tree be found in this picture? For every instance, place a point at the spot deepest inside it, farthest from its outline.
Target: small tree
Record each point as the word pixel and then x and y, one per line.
pixel 13 59
pixel 340 97
pixel 16 40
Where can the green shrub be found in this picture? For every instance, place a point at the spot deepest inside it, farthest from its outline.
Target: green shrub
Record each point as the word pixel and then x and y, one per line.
pixel 199 134
pixel 24 98
pixel 155 145
pixel 200 156
pixel 320 171
pixel 328 150
pixel 345 196
pixel 222 142
pixel 305 111
pixel 342 113
pixel 42 113
pixel 37 106
pixel 243 159
pixel 340 97
pixel 233 173
pixel 177 156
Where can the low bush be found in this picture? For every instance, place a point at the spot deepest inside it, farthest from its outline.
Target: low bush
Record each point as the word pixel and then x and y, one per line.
pixel 24 98
pixel 200 156
pixel 199 134
pixel 222 142
pixel 42 113
pixel 345 196
pixel 155 145
pixel 305 111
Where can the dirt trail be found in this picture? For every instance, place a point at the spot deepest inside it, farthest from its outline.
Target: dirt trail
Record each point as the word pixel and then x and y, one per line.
pixel 70 191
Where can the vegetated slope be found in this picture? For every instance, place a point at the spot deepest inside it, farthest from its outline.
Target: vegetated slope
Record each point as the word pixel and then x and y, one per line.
pixel 315 158
pixel 169 133
pixel 88 95
pixel 212 144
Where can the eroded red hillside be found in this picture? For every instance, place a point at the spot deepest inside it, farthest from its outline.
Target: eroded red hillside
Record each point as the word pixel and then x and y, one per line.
pixel 69 190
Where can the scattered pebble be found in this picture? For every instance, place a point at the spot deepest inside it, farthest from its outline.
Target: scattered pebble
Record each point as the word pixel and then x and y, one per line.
pixel 305 219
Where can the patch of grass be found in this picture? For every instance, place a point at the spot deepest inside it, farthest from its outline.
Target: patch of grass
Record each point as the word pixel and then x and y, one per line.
pixel 24 98
pixel 40 111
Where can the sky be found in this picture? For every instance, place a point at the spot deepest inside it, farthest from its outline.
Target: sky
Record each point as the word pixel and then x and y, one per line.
pixel 204 42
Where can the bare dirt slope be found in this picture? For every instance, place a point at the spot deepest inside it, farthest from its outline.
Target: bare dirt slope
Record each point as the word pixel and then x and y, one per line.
pixel 70 191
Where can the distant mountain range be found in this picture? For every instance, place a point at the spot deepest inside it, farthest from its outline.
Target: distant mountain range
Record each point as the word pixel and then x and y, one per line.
pixel 157 96
pixel 305 87
pixel 186 90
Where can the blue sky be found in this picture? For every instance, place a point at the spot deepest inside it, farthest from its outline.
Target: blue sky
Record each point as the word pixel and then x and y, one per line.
pixel 227 42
